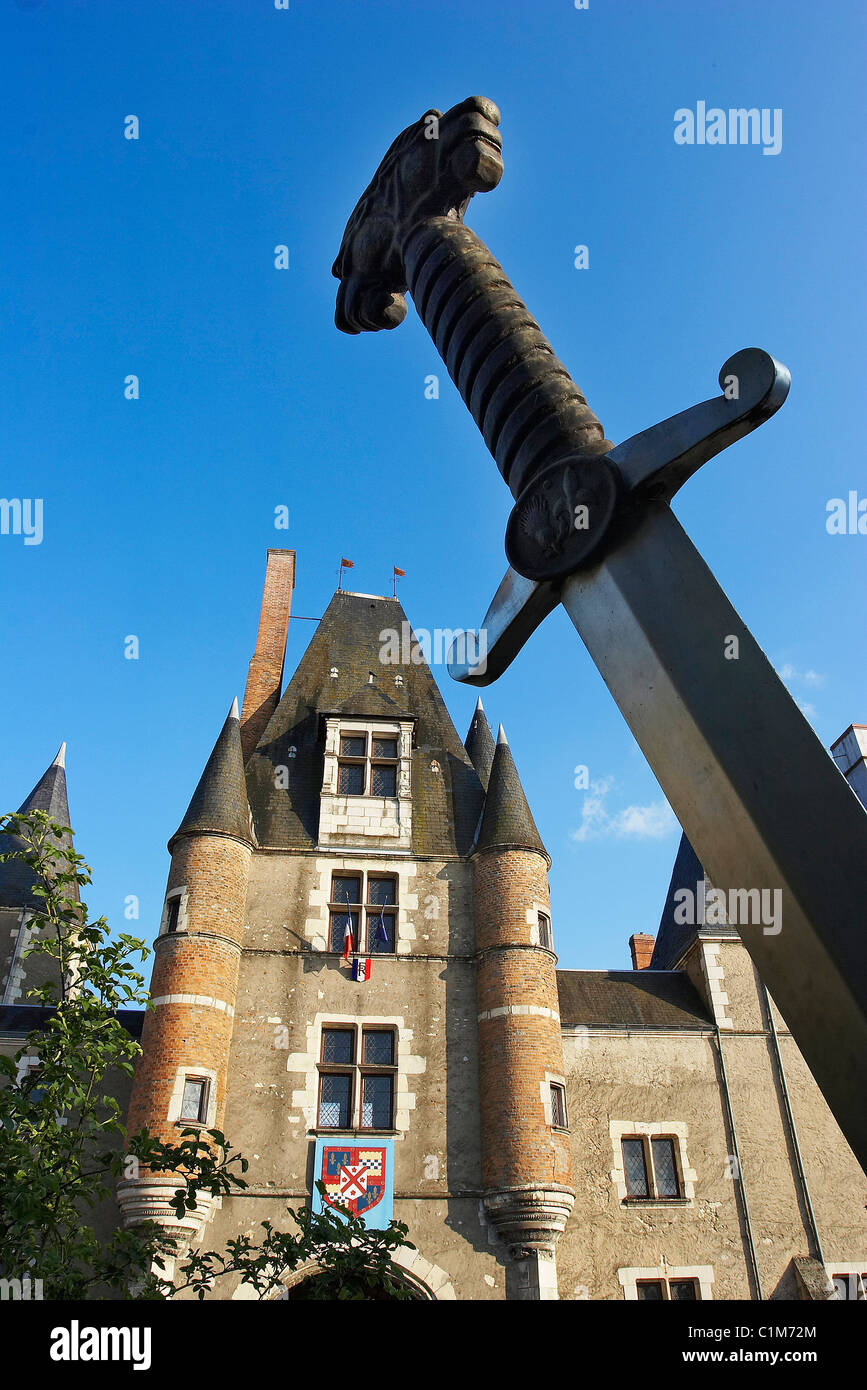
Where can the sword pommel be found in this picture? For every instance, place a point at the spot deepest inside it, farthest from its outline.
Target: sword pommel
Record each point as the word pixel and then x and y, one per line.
pixel 431 170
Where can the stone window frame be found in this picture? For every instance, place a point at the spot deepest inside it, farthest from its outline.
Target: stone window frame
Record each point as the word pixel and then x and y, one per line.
pixel 554 1079
pixel 385 864
pixel 630 1276
pixel 368 760
pixel 644 1129
pixel 190 1072
pixel 180 896
pixel 29 1062
pixel 344 726
pixel 410 1064
pixel 353 819
pixel 363 910
pixel 357 1070
pixel 536 911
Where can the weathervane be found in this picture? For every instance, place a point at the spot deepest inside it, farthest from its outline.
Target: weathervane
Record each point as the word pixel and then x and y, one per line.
pixel 762 803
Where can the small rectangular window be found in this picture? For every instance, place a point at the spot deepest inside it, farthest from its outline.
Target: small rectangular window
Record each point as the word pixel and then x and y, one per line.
pixel 337 929
pixel 194 1102
pixel 334 1096
pixel 665 1168
pixel 338 1046
pixel 350 779
pixel 635 1168
pixel 683 1289
pixel 650 1168
pixel 353 746
pixel 545 937
pixel 650 1290
pixel 383 780
pixel 376 1095
pixel 558 1106
pixel 378 1047
pixel 173 912
pixel 385 747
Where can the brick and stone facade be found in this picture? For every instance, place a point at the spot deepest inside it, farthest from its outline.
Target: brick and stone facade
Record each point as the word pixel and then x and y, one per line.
pixel 524 1098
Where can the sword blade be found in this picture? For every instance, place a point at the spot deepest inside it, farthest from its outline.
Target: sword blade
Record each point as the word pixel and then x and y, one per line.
pixel 760 799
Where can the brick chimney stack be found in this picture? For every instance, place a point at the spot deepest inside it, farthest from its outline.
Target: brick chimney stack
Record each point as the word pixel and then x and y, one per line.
pixel 641 946
pixel 265 674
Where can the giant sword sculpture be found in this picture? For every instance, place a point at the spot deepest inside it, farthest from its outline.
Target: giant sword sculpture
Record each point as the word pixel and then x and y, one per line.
pixel 757 795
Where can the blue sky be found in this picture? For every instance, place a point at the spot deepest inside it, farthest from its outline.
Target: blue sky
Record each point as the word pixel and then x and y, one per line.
pixel 155 257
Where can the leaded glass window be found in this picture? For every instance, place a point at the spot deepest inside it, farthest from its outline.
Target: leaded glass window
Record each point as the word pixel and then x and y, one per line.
pixel 635 1168
pixel 384 747
pixel 338 1045
pixel 650 1291
pixel 665 1168
pixel 378 1047
pixel 356 1078
pixel 558 1107
pixel 650 1168
pixel 367 764
pixel 683 1289
pixel 194 1101
pixel 381 890
pixel 376 1102
pixel 350 779
pixel 334 1095
pixel 383 780
pixel 545 938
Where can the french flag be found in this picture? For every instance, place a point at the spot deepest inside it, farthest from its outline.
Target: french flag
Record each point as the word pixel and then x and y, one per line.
pixel 348 944
pixel 361 969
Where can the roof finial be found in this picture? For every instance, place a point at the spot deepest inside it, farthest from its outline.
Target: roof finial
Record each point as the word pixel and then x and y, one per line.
pixel 60 760
pixel 233 712
pixel 501 736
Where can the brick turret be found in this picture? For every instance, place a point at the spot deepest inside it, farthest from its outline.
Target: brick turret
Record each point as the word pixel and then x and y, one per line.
pixel 181 1078
pixel 526 1161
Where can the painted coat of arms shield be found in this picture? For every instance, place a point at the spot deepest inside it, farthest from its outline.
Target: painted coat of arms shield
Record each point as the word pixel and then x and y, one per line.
pixel 356 1176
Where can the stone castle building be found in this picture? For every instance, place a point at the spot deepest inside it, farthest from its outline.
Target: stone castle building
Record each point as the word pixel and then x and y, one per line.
pixel 355 977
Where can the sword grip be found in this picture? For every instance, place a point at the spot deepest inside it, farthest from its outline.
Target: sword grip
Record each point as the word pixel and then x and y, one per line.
pixel 521 396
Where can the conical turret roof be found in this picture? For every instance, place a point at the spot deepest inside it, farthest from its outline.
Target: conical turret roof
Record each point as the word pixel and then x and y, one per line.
pixel 507 822
pixel 219 803
pixel 674 936
pixel 49 795
pixel 480 745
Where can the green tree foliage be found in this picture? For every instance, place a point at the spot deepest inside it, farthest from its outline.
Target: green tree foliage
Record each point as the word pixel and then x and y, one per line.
pixel 64 1146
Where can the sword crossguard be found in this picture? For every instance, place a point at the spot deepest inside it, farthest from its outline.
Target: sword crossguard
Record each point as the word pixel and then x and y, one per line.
pixel 649 467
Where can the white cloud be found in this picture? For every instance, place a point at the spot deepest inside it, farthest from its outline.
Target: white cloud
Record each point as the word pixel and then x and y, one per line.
pixel 652 822
pixel 789 674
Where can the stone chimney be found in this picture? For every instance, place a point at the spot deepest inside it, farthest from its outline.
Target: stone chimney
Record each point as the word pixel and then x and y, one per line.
pixel 641 946
pixel 850 755
pixel 265 674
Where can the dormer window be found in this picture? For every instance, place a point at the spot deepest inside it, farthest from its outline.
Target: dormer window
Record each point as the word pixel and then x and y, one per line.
pixel 367 764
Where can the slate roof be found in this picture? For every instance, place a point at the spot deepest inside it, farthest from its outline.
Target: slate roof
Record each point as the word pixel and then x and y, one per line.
pixel 49 795
pixel 630 999
pixel 673 938
pixel 479 744
pixel 507 820
pixel 446 803
pixel 220 799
